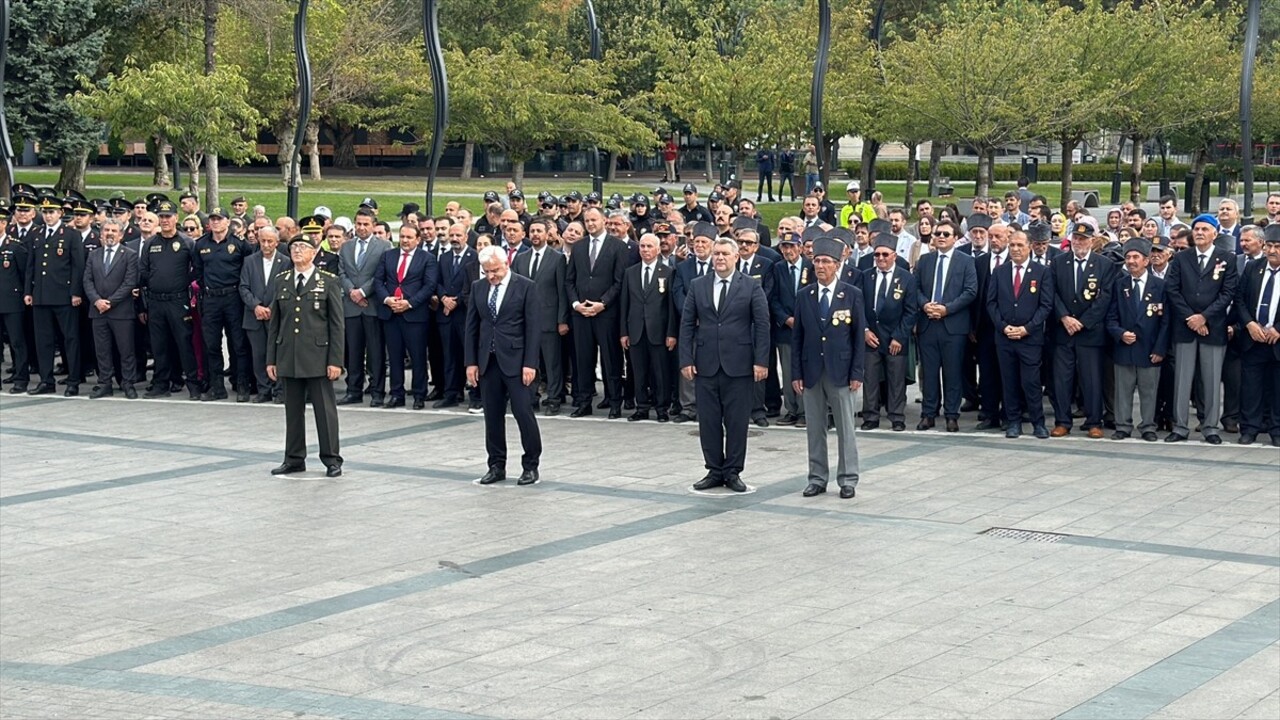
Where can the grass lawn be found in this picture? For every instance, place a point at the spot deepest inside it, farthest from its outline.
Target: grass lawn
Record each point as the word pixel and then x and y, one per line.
pixel 342 193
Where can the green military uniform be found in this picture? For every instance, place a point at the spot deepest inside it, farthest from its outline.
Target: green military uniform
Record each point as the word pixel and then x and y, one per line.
pixel 305 337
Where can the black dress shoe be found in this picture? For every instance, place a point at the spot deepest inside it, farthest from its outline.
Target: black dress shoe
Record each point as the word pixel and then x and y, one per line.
pixel 375 402
pixel 101 391
pixel 814 489
pixel 1175 437
pixel 434 395
pixel 1013 432
pixel 278 398
pixel 1150 436
pixel 1231 427
pixel 953 425
pixel 682 418
pixel 1246 439
pixel 287 468
pixel 734 483
pixel 444 403
pixel 528 477
pixel 603 404
pixel 899 426
pixel 1275 441
pixel 925 424
pixel 1041 432
pixel 870 425
pixel 1119 435
pixel 351 399
pixel 615 413
pixel 761 421
pixel 17 389
pixel 71 391
pixel 986 425
pixel 333 471
pixel 395 402
pixel 708 482
pixel 638 415
pixel 847 492
pixel 553 409
pixel 628 404
pixel 495 474
pixel 968 406
pixel 242 396
pixel 786 420
pixel 663 417
pixel 581 411
pixel 419 403
pixel 1213 440
pixel 261 398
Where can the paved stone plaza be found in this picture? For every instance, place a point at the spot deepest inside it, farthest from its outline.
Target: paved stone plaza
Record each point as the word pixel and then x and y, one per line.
pixel 150 567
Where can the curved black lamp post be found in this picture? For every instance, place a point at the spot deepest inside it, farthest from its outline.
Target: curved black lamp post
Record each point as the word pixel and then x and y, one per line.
pixel 593 34
pixel 439 91
pixel 304 104
pixel 6 148
pixel 819 80
pixel 1246 106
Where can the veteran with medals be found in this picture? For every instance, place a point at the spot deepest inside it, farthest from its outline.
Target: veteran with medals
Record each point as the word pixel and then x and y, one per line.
pixel 828 352
pixel 305 346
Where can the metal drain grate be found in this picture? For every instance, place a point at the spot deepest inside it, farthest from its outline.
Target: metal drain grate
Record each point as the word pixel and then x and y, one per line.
pixel 1022 535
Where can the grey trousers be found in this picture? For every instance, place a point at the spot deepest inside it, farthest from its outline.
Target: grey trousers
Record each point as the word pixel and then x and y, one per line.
pixel 839 399
pixel 791 404
pixel 1209 359
pixel 893 370
pixel 1147 382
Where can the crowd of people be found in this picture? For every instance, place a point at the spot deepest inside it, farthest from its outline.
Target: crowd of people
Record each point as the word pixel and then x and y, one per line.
pixel 988 312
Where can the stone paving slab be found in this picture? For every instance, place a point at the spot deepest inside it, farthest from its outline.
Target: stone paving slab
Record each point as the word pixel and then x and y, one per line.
pixel 152 568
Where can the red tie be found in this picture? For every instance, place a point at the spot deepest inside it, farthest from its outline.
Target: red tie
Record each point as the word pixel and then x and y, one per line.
pixel 511 254
pixel 404 265
pixel 1017 280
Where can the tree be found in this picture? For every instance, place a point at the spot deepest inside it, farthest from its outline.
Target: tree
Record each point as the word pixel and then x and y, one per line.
pixel 197 113
pixel 53 43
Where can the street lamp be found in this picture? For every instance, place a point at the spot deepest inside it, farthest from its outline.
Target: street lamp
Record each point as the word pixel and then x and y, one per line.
pixel 439 91
pixel 1246 104
pixel 304 104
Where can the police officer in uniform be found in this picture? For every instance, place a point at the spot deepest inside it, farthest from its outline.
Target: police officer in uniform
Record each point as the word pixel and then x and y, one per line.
pixel 165 274
pixel 305 351
pixel 55 271
pixel 217 263
pixel 13 274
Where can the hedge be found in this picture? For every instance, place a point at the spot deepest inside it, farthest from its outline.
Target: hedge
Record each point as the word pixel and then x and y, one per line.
pixel 1051 172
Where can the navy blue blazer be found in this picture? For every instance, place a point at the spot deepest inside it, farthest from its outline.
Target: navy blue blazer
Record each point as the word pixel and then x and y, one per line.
pixel 418 286
pixel 1207 293
pixel 897 315
pixel 835 345
pixel 514 335
pixel 958 293
pixel 455 278
pixel 686 272
pixel 782 302
pixel 1088 304
pixel 1248 294
pixel 1032 308
pixel 1148 319
pixel 761 270
pixel 730 340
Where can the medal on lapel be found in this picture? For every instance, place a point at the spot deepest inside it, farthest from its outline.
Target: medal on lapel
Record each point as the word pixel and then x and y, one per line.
pixel 1217 270
pixel 1150 311
pixel 804 276
pixel 662 285
pixel 1033 286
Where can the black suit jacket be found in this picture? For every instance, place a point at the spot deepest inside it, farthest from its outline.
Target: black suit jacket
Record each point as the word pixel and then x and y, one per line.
pixel 115 285
pixel 1032 307
pixel 418 286
pixel 455 278
pixel 602 283
pixel 1147 318
pixel 1247 296
pixel 1089 304
pixel 729 340
pixel 896 317
pixel 513 336
pixel 782 302
pixel 13 275
pixel 959 291
pixel 648 312
pixel 553 304
pixel 55 267
pixel 1207 293
pixel 686 273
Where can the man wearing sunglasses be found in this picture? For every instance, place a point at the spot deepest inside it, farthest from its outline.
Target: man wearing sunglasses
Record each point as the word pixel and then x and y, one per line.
pixel 948 285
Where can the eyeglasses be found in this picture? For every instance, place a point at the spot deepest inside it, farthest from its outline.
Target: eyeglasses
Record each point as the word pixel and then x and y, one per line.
pixel 546 206
pixel 748 242
pixel 883 254
pixel 193 228
pixel 942 234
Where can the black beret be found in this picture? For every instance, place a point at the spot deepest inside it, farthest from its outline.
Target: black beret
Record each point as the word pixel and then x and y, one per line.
pixel 885 240
pixel 1272 233
pixel 843 235
pixel 1038 231
pixel 1141 246
pixel 829 246
pixel 812 233
pixel 705 229
pixel 745 223
pixel 878 226
pixel 979 220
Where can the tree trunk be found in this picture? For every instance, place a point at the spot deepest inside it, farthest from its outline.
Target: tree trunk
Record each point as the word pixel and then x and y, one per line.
pixel 935 166
pixel 344 146
pixel 313 149
pixel 1199 159
pixel 517 172
pixel 468 157
pixel 611 167
pixel 1068 146
pixel 867 172
pixel 160 176
pixel 284 153
pixel 210 34
pixel 984 173
pixel 1135 176
pixel 193 161
pixel 211 181
pixel 740 165
pixel 710 168
pixel 913 172
pixel 71 176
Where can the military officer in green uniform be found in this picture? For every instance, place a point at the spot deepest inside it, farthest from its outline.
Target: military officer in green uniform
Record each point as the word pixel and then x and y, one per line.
pixel 305 354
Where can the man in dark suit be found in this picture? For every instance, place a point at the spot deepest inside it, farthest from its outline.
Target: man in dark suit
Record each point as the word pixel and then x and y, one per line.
pixel 458 267
pixel 1019 301
pixel 305 353
pixel 1140 330
pixel 649 328
pixel 760 270
pixel 794 273
pixel 1042 252
pixel 891 301
pixel 546 267
pixel 828 349
pixel 1258 309
pixel 403 285
pixel 358 262
pixel 110 277
pixel 13 274
pixel 501 355
pixel 593 283
pixel 55 287
pixel 697 265
pixel 258 281
pixel 1201 286
pixel 948 285
pixel 724 342
pixel 1082 285
pixel 981 359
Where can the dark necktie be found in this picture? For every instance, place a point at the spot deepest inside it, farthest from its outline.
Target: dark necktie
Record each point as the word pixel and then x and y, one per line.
pixel 1264 305
pixel 724 293
pixel 939 274
pixel 1137 293
pixel 1079 275
pixel 884 291
pixel 824 305
pixel 360 248
pixel 533 269
pixel 106 266
pixel 1204 261
pixel 702 268
pixel 301 281
pixel 646 277
pixel 795 279
pixel 493 302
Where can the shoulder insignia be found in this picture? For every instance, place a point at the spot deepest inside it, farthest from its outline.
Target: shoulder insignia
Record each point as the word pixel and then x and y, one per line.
pixel 284 272
pixel 325 272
